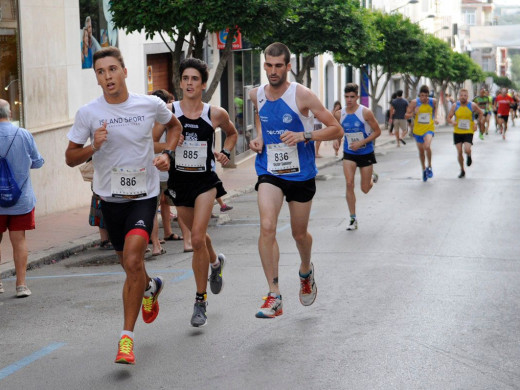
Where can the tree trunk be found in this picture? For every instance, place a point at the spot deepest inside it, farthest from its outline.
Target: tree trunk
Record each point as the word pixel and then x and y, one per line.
pixel 176 60
pixel 198 44
pixel 306 69
pixel 225 55
pixel 374 83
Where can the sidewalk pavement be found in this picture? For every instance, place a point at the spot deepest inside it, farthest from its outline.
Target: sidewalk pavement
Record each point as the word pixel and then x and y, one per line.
pixel 60 235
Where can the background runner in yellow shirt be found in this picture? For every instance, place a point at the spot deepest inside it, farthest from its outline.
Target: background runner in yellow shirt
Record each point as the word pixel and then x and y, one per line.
pixel 464 127
pixel 423 108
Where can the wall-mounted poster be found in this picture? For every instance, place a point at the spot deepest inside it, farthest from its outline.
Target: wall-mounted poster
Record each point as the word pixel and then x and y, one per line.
pixel 96 29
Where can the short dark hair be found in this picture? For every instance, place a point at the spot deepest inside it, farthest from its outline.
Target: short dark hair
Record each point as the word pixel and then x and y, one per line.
pixel 195 63
pixel 399 93
pixel 163 94
pixel 278 49
pixel 109 51
pixel 352 87
pixel 424 89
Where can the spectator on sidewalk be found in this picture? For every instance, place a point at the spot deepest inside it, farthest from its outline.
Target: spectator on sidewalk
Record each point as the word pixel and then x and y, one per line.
pixel 17 146
pixel 398 107
pixel 223 207
pixel 95 218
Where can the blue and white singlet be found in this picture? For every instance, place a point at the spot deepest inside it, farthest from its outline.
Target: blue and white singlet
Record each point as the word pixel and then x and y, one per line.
pixel 294 163
pixel 355 128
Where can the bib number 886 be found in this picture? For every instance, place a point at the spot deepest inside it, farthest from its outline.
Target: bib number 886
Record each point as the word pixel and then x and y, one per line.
pixel 278 157
pixel 128 181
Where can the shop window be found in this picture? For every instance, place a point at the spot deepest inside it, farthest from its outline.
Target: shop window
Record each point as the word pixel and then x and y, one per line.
pixel 96 29
pixel 10 64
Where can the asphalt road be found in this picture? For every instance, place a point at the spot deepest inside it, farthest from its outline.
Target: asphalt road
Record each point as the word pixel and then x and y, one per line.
pixel 425 295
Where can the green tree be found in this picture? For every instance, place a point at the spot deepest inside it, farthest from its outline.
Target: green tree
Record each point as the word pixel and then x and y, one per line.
pixel 398 41
pixel 502 81
pixel 515 68
pixel 425 61
pixel 317 26
pixel 188 22
pixel 464 68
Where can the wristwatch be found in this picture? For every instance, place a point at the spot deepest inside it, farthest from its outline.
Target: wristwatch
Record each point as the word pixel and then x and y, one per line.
pixel 170 153
pixel 226 152
pixel 307 135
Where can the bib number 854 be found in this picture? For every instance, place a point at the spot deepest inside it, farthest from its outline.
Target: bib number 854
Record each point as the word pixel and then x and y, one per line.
pixel 128 181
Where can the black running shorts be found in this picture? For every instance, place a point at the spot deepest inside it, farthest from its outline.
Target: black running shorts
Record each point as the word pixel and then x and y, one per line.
pixel 361 160
pixel 121 218
pixel 462 138
pixel 184 193
pixel 298 191
pixel 505 118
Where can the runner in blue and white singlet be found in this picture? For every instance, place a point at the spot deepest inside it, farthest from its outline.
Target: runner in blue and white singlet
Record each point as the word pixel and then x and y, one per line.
pixel 360 129
pixel 356 129
pixel 295 163
pixel 286 168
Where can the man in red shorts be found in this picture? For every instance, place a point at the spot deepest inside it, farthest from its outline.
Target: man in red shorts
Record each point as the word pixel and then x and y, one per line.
pixel 502 105
pixel 17 146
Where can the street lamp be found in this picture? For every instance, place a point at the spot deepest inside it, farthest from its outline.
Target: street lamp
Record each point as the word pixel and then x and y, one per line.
pixel 431 16
pixel 440 29
pixel 404 5
pixel 8 85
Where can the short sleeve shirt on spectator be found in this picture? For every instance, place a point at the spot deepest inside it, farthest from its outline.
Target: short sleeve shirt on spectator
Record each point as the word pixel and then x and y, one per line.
pixel 400 105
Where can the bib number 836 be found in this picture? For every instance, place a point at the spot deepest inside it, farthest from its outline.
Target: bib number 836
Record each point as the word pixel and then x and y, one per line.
pixel 278 157
pixel 128 181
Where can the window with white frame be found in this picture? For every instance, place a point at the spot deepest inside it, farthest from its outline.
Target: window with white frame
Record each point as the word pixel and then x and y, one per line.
pixel 470 17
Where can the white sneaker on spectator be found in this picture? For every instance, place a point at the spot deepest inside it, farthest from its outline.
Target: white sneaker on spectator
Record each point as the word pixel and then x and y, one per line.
pixel 22 292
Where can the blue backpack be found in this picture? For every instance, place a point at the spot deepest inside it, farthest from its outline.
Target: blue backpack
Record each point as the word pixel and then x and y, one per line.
pixel 10 192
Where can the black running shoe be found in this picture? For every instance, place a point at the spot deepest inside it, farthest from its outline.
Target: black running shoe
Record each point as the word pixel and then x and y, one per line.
pixel 462 174
pixel 469 161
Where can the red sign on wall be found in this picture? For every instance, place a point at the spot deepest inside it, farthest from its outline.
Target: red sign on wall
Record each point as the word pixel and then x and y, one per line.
pixel 222 39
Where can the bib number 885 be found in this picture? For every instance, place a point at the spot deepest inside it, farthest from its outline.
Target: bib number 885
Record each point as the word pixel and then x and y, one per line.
pixel 190 154
pixel 128 181
pixel 278 157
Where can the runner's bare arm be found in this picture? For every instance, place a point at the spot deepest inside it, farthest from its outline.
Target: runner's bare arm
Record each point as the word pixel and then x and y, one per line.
pixel 479 111
pixel 174 130
pixel 451 114
pixel 337 142
pixel 222 120
pixel 157 132
pixel 410 111
pixel 435 111
pixel 77 153
pixel 308 102
pixel 371 120
pixel 257 143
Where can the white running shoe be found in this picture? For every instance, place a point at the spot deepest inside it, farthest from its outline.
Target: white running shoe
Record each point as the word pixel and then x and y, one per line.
pixel 353 224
